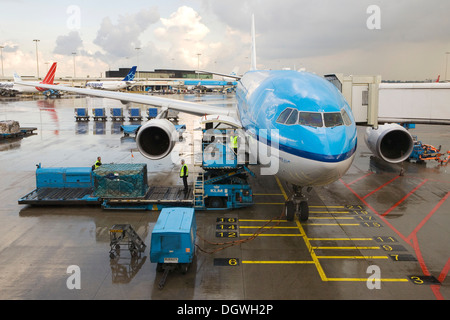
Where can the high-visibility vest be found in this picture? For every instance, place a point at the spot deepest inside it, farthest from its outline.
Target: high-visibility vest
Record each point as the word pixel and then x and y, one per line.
pixel 97 164
pixel 233 141
pixel 182 174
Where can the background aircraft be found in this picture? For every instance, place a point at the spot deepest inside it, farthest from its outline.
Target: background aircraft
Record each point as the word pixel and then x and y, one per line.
pixel 15 87
pixel 114 85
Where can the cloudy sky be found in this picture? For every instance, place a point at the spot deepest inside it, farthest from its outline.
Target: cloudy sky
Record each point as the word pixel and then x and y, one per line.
pixel 400 40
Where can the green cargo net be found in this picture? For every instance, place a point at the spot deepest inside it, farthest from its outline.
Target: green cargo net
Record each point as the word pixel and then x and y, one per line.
pixel 121 180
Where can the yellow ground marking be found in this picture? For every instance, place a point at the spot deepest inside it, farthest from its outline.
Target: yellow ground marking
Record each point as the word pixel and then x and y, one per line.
pixel 331 218
pixel 344 212
pixel 352 257
pixel 340 239
pixel 315 258
pixel 260 220
pixel 281 188
pixel 365 279
pixel 271 235
pixel 268 227
pixel 346 248
pixel 278 262
pixel 332 224
pixel 340 207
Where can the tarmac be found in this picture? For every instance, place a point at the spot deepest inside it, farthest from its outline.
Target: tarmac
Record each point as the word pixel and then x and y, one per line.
pixel 374 234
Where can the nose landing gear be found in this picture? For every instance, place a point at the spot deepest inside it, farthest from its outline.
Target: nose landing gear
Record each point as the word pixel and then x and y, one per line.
pixel 297 204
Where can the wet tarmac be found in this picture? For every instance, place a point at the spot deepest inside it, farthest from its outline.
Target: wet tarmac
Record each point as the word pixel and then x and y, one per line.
pixel 373 223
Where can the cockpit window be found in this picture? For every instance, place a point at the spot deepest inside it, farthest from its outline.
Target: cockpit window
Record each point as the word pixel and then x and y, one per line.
pixel 333 119
pixel 284 115
pixel 312 119
pixel 346 117
pixel 293 117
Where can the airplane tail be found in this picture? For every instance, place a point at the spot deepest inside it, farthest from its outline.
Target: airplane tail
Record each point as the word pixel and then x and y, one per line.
pixel 17 77
pixel 253 57
pixel 438 78
pixel 50 75
pixel 131 74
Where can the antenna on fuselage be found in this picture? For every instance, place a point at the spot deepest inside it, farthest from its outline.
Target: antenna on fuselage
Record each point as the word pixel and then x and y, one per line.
pixel 253 58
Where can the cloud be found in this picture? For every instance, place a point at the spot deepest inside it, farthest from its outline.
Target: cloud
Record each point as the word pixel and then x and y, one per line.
pixel 66 45
pixel 9 46
pixel 121 39
pixel 185 35
pixel 293 31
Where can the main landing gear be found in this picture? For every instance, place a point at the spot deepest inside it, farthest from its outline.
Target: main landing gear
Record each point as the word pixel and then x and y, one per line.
pixel 297 204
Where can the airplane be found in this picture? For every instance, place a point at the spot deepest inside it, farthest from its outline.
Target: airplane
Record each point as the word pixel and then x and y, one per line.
pixel 313 135
pixel 114 85
pixel 208 84
pixel 15 87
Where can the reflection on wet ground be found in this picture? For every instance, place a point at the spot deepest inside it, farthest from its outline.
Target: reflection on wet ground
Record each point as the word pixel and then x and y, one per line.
pixel 370 217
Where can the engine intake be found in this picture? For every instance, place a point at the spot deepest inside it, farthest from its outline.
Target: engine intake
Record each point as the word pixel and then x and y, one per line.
pixel 156 139
pixel 390 142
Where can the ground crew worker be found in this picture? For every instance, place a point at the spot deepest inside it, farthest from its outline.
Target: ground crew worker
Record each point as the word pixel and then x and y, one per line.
pixel 184 173
pixel 234 142
pixel 97 164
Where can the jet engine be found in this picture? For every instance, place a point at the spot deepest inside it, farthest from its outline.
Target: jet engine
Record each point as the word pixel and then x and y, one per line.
pixel 156 139
pixel 390 142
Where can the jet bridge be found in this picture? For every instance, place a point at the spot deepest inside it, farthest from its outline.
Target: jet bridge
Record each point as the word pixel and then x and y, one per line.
pixel 374 102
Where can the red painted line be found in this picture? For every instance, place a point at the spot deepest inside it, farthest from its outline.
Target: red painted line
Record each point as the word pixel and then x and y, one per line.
pixel 405 197
pixel 375 211
pixel 436 288
pixel 444 271
pixel 422 223
pixel 382 186
pixel 412 238
pixel 415 244
pixel 360 178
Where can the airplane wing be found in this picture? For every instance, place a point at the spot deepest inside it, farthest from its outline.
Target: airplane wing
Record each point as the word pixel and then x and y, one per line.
pixel 197 109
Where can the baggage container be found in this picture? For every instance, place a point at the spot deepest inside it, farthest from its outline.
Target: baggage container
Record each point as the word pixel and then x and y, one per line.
pixel 173 238
pixel 121 181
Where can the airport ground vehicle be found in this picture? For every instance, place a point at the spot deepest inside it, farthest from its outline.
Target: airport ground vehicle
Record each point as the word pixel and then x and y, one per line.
pixel 221 184
pixel 173 241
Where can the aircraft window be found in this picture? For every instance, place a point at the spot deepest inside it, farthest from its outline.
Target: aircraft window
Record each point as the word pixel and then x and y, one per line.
pixel 293 117
pixel 346 118
pixel 284 115
pixel 313 119
pixel 333 119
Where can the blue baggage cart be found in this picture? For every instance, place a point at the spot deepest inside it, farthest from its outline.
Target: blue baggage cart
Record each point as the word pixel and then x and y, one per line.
pixel 81 114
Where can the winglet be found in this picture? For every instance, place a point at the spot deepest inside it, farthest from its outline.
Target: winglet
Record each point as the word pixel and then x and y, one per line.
pixel 253 62
pixel 131 74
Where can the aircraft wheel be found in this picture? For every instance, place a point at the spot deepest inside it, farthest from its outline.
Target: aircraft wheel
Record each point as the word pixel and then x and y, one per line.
pixel 304 211
pixel 289 208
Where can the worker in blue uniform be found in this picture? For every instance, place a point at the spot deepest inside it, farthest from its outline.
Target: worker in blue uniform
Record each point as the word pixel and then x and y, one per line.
pixel 184 173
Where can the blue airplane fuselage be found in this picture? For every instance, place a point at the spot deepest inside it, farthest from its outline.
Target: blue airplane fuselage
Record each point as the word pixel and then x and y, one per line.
pixel 309 154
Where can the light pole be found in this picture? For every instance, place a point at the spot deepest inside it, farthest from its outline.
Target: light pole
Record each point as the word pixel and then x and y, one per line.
pixel 446 64
pixel 37 57
pixel 74 54
pixel 1 53
pixel 137 61
pixel 198 64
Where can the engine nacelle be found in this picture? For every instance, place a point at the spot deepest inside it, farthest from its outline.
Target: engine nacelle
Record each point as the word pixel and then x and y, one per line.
pixel 390 142
pixel 156 139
